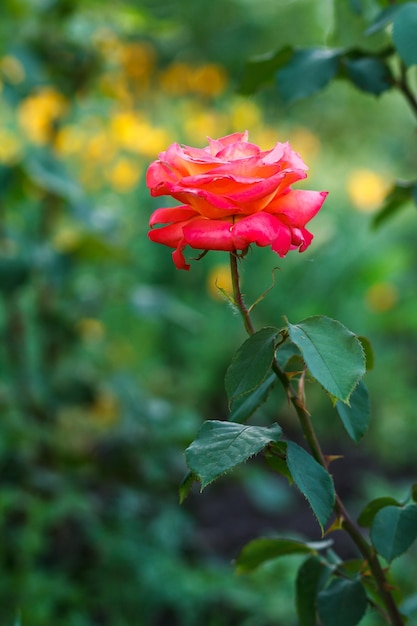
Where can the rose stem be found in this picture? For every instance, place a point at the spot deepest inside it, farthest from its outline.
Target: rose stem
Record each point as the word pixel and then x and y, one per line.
pixel 404 87
pixel 237 295
pixel 346 522
pixel 303 415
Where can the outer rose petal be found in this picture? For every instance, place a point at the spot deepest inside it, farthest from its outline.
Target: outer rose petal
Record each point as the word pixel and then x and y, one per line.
pixel 168 235
pixel 264 230
pixel 157 176
pixel 178 258
pixel 301 238
pixel 208 234
pixel 172 215
pixel 298 205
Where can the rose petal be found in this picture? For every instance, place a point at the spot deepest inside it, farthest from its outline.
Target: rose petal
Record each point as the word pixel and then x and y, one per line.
pixel 298 205
pixel 188 161
pixel 216 145
pixel 237 151
pixel 168 235
pixel 157 176
pixel 288 158
pixel 207 234
pixel 179 258
pixel 172 215
pixel 264 230
pixel 301 238
pixel 264 191
pixel 206 203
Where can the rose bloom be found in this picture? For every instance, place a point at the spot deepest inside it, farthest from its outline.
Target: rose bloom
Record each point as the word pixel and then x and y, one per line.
pixel 233 194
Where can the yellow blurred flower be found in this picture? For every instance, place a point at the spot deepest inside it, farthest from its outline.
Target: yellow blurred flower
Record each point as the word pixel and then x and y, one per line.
pixel 66 239
pixel 99 147
pixel 137 60
pixel 10 146
pixel 106 410
pixel 70 140
pixel 207 80
pixel 382 297
pixel 106 42
pixel 367 189
pixel 152 140
pixel 175 79
pixel 91 329
pixel 202 123
pixel 39 113
pixel 125 127
pixel 12 69
pixel 305 142
pixel 179 78
pixel 219 279
pixel 124 175
pixel 266 136
pixel 79 425
pixel 113 85
pixel 245 114
pixel 133 132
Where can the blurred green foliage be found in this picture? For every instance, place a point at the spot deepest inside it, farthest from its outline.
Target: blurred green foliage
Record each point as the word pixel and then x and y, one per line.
pixel 110 357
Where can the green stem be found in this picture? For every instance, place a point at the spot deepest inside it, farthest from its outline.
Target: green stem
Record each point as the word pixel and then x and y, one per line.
pixel 393 615
pixel 237 295
pixel 403 86
pixel 367 551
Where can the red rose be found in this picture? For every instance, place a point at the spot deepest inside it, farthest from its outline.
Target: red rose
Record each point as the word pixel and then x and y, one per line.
pixel 232 194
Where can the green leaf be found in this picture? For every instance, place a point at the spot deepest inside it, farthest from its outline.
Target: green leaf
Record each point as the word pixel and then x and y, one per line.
pixel 310 577
pixel 414 492
pixel 382 20
pixel 275 457
pixel 356 415
pixel 393 530
pixel 261 70
pixel 286 353
pixel 409 608
pixel 47 172
pixel 396 200
pixel 404 33
pixel 15 273
pixel 259 551
pixel 314 482
pixel 367 515
pixel 356 6
pixel 370 74
pixel 251 364
pixel 245 406
pixel 186 486
pixel 342 603
pixel 352 568
pixel 307 72
pixel 369 352
pixel 220 446
pixel 332 353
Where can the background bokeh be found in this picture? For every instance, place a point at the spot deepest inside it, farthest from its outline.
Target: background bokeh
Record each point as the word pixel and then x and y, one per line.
pixel 111 358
